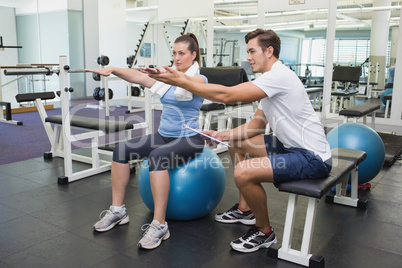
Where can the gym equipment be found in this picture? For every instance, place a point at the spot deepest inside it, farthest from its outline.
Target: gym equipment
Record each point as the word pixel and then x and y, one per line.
pixel 135 91
pixel 102 94
pixel 360 137
pixel 349 74
pixel 132 59
pixel 361 110
pixel 370 88
pixel 347 162
pixel 196 187
pixel 386 92
pixel 388 100
pixel 96 93
pixel 393 147
pixel 165 35
pixel 61 136
pixel 99 94
pixel 8 114
pixel 96 76
pixel 346 75
pixel 103 60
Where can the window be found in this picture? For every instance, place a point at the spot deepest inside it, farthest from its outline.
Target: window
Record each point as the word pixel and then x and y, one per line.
pixel 346 52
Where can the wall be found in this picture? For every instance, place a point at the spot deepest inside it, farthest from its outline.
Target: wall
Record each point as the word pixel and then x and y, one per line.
pixel 48 29
pixel 9 56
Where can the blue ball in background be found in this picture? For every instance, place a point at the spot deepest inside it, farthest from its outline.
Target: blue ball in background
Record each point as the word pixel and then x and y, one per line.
pixel 196 187
pixel 360 137
pixel 386 92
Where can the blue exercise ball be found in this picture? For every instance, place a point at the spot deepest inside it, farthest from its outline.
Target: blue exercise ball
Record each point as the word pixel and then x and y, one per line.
pixel 196 187
pixel 360 137
pixel 386 92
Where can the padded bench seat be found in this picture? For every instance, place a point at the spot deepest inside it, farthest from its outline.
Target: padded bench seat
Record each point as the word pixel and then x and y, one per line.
pixel 345 163
pixel 108 126
pixel 318 187
pixel 25 97
pixel 361 110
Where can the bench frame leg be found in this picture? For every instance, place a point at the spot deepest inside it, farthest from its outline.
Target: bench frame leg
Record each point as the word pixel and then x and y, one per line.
pixel 8 114
pixel 286 252
pixel 386 109
pixel 340 196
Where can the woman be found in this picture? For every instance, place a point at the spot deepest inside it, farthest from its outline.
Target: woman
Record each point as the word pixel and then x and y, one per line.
pixel 171 145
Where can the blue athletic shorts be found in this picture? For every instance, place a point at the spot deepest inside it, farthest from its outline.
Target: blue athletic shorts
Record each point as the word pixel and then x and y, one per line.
pixel 295 163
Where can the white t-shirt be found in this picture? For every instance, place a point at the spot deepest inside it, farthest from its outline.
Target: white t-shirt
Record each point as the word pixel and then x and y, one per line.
pixel 289 111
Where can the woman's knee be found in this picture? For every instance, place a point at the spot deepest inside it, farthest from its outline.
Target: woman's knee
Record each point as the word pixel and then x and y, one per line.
pixel 120 153
pixel 157 161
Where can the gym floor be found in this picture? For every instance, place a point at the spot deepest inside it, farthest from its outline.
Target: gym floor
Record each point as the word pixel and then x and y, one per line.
pixel 43 224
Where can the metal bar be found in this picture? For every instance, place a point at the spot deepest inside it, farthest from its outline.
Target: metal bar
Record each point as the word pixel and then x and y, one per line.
pixel 10 46
pixel 12 81
pixel 29 71
pixel 76 71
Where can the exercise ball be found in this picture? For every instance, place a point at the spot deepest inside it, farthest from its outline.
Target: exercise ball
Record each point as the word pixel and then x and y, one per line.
pixel 196 187
pixel 360 137
pixel 386 92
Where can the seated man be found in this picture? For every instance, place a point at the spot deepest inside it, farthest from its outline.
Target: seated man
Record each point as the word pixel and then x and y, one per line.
pixel 299 149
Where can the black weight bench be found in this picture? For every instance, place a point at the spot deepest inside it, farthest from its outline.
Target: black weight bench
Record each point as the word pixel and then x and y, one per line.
pixel 26 97
pixel 361 110
pixel 90 123
pixel 345 162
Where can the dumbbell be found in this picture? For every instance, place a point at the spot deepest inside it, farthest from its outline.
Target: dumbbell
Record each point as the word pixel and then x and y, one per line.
pixel 102 94
pixel 96 93
pixel 103 60
pixel 135 91
pixel 96 76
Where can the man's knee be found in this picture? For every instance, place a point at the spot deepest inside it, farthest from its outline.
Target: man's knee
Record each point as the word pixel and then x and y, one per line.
pixel 241 176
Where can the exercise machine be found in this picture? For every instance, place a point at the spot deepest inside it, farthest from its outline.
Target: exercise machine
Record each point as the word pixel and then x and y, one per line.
pixel 7 112
pixel 61 136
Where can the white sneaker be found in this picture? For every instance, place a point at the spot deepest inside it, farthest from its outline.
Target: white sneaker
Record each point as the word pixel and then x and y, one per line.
pixel 153 235
pixel 111 218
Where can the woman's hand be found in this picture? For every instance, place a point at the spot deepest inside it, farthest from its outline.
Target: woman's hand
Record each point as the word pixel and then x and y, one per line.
pixel 168 76
pixel 149 70
pixel 103 71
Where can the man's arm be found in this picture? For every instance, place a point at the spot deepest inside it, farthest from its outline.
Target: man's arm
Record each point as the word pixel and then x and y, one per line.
pixel 244 92
pixel 246 131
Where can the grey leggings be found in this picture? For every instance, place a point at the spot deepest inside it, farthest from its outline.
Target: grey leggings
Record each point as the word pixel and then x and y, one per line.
pixel 161 152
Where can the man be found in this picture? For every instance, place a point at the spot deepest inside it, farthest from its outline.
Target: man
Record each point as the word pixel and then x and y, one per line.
pixel 299 149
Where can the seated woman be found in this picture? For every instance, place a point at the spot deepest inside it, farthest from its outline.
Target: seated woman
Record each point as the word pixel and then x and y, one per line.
pixel 170 146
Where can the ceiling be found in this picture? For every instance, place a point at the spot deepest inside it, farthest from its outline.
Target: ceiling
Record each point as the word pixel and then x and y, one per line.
pixel 238 15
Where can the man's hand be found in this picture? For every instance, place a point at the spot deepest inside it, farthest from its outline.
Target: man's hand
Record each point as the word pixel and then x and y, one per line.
pixel 215 134
pixel 170 76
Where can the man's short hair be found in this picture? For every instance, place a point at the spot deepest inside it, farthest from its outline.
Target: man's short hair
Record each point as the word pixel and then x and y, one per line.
pixel 266 38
